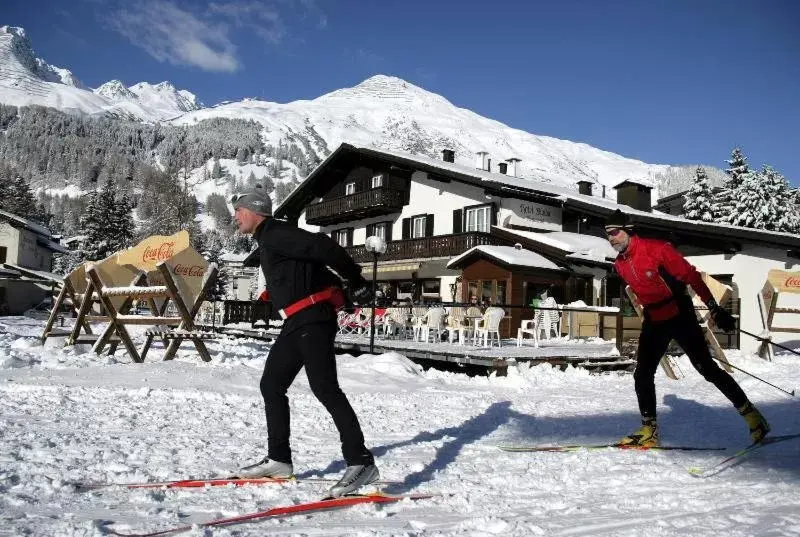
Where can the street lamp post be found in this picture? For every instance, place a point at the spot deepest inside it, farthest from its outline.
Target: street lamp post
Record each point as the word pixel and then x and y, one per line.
pixel 376 246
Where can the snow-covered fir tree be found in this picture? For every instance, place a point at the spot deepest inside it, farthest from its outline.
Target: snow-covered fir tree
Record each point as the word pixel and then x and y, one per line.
pixel 16 196
pixel 764 201
pixel 737 171
pixel 214 244
pixel 107 223
pixel 699 204
pixel 737 168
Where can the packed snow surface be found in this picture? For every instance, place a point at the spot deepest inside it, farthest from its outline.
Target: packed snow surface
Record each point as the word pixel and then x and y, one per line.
pixel 69 415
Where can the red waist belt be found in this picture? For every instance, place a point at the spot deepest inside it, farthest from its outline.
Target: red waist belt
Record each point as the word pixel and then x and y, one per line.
pixel 333 295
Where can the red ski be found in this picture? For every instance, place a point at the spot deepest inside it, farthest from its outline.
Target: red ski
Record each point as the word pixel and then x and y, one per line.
pixel 213 482
pixel 288 510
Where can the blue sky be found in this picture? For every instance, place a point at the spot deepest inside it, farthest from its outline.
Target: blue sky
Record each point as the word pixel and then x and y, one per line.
pixel 672 82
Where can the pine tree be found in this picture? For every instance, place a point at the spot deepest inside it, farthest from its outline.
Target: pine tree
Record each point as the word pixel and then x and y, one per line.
pixel 212 251
pixel 107 223
pixel 737 170
pixel 698 204
pixel 764 201
pixel 216 169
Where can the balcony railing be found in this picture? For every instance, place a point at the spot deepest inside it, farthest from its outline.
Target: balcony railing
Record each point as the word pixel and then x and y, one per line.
pixel 427 247
pixel 373 202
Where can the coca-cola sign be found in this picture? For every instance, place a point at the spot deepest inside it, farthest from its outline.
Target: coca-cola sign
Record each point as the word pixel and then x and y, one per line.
pixel 792 281
pixel 163 251
pixel 192 271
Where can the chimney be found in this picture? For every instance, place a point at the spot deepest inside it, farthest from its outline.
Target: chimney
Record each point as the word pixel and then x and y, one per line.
pixel 513 164
pixel 482 158
pixel 634 194
pixel 585 187
pixel 503 167
pixel 448 155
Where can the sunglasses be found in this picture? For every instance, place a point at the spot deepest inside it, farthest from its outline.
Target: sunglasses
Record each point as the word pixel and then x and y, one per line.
pixel 613 232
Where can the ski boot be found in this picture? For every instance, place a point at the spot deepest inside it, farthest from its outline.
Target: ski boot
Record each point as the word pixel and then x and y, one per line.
pixel 267 468
pixel 755 421
pixel 353 479
pixel 645 436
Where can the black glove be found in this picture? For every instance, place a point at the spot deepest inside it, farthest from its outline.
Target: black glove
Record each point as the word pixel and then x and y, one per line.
pixel 362 294
pixel 722 317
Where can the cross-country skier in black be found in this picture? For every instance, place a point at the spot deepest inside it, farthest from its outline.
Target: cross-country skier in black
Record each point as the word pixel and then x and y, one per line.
pixel 295 263
pixel 658 274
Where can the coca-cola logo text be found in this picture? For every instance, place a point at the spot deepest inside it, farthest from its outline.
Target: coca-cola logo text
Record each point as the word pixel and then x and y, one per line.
pixel 163 251
pixel 792 281
pixel 189 270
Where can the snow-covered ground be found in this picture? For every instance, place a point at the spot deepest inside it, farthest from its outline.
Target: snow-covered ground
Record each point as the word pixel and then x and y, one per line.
pixel 68 415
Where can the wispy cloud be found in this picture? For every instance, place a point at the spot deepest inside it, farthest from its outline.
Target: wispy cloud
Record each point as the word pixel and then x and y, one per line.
pixel 200 34
pixel 172 34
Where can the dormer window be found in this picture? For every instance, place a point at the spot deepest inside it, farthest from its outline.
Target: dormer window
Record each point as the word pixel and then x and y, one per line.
pixel 377 181
pixel 349 189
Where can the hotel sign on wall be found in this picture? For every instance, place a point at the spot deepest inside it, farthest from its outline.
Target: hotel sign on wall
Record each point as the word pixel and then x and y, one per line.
pixel 531 214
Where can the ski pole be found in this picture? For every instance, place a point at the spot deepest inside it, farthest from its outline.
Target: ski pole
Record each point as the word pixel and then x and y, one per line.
pixel 769 341
pixel 755 377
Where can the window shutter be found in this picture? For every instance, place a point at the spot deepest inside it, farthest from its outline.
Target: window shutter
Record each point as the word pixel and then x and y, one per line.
pixel 388 231
pixel 406 228
pixel 370 230
pixel 333 234
pixel 458 220
pixel 350 237
pixel 429 225
pixel 494 210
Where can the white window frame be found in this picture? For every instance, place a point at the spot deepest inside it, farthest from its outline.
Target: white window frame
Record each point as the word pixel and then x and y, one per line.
pixel 478 219
pixel 379 230
pixel 349 189
pixel 377 180
pixel 418 224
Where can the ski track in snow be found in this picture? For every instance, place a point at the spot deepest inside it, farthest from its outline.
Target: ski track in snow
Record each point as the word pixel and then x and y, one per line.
pixel 69 415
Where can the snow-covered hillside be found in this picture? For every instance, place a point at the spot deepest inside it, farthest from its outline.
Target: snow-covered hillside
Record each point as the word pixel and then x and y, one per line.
pixel 28 80
pixel 382 111
pixel 69 415
pixel 391 113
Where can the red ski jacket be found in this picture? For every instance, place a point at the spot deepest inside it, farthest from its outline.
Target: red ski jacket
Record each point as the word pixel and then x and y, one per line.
pixel 644 266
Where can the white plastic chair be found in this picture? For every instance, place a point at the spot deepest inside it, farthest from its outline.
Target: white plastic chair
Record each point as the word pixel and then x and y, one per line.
pixel 490 324
pixel 433 321
pixel 531 327
pixel 456 320
pixel 551 319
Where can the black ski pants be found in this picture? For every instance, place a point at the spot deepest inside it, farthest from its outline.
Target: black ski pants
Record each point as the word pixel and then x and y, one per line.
pixel 309 346
pixel 653 343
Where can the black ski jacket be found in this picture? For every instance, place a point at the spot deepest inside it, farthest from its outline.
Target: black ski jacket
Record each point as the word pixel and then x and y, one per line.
pixel 295 264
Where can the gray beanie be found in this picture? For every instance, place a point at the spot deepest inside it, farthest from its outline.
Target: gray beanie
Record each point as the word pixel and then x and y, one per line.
pixel 256 199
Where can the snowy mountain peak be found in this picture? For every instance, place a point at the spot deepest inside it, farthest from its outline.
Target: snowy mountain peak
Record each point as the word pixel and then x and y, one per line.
pixel 17 60
pixel 164 95
pixel 15 30
pixel 386 89
pixel 114 90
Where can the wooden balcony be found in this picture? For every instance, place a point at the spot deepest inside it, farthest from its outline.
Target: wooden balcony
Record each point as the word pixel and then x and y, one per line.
pixel 427 247
pixel 373 202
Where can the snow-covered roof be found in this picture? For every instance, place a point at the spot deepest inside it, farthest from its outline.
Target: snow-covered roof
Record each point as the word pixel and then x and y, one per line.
pixel 518 257
pixel 574 245
pixel 233 258
pixel 27 224
pixel 41 274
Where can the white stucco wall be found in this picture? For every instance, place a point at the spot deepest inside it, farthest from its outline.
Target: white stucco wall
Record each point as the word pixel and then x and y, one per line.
pixel 749 268
pixel 9 236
